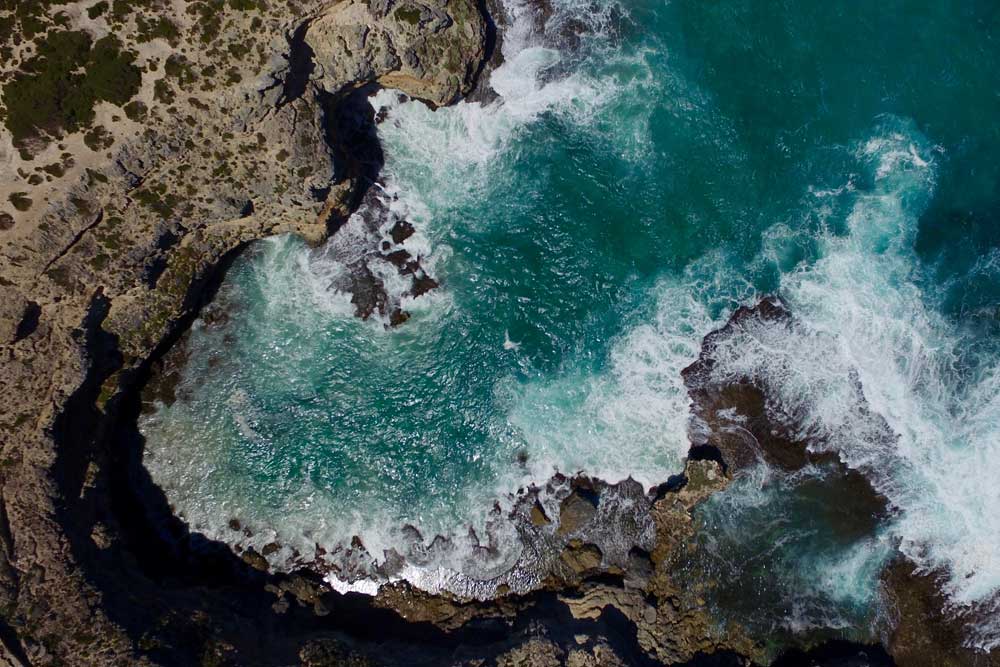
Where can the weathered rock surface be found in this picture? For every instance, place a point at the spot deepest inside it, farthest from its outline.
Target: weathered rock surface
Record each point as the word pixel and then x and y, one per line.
pixel 432 49
pixel 108 253
pixel 624 580
pixel 736 426
pixel 925 632
pixel 248 124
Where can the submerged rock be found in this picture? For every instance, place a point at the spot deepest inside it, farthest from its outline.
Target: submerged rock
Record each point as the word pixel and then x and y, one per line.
pixel 372 257
pixel 927 630
pixel 737 424
pixel 736 416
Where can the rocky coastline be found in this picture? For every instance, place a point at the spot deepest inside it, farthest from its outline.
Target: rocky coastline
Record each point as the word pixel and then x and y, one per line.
pixel 106 265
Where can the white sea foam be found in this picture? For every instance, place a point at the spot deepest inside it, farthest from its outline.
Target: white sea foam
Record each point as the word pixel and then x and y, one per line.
pixel 435 159
pixel 862 311
pixel 864 318
pixel 631 419
pixel 460 151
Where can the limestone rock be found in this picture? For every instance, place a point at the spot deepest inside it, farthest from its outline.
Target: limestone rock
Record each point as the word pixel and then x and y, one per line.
pixel 533 653
pixel 430 49
pixel 581 558
pixel 331 653
pixel 227 142
pixel 538 516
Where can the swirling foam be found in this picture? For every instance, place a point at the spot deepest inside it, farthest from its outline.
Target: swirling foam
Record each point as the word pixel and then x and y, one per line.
pixel 864 317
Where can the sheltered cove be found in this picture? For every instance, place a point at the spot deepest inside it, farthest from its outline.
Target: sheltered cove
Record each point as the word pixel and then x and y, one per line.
pixel 97 570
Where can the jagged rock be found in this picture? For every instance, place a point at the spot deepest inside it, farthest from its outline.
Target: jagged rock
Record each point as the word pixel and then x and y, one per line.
pixel 331 653
pixel 255 560
pixel 575 512
pixel 593 599
pixel 227 142
pixel 444 610
pixel 431 50
pixel 538 517
pixel 925 634
pixel 533 653
pixel 13 308
pixel 733 414
pixel 581 558
pixel 600 656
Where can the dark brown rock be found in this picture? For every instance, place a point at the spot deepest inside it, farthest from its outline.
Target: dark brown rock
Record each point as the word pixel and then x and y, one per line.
pixel 924 634
pixel 401 231
pixel 538 516
pixel 575 512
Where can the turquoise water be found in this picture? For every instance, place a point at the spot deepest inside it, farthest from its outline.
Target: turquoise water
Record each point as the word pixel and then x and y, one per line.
pixel 806 547
pixel 622 197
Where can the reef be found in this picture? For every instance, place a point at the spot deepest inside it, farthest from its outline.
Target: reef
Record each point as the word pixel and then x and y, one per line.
pixel 737 424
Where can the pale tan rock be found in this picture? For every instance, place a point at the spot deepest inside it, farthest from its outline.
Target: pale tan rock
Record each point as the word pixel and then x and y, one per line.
pixel 115 251
pixel 430 49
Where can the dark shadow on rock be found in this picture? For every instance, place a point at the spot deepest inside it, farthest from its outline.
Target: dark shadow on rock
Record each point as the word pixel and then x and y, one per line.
pixel 11 643
pixel 353 134
pixel 80 422
pixel 483 92
pixel 836 654
pixel 707 453
pixel 300 66
pixel 29 321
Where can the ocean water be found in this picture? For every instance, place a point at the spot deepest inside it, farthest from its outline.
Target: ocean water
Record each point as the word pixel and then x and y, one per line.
pixel 636 181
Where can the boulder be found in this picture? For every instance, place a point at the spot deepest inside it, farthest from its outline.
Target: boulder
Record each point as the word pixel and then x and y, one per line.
pixel 430 50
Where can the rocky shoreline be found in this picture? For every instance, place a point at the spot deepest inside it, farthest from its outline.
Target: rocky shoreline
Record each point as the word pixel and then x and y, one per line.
pixel 251 121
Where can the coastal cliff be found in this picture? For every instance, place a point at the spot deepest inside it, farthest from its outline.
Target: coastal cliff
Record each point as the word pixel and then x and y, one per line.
pixel 195 128
pixel 146 143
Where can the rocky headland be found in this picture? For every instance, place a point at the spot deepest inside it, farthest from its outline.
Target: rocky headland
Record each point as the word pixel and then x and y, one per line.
pixel 145 144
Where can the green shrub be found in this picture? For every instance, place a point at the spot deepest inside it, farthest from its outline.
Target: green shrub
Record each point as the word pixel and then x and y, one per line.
pixel 163 92
pixel 56 169
pixel 97 10
pixel 52 95
pixel 158 28
pixel 409 15
pixel 20 201
pixel 158 200
pixel 98 139
pixel 135 111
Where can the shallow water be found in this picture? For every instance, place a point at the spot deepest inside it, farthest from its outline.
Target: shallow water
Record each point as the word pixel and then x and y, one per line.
pixel 588 229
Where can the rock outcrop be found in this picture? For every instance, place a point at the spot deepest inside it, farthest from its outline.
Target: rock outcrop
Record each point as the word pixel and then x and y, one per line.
pixel 431 50
pixel 233 121
pixel 926 629
pixel 736 427
pixel 620 582
pixel 113 228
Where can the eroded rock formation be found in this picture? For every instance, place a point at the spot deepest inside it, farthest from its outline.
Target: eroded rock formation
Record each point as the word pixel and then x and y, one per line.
pixel 249 121
pixel 431 50
pixel 107 252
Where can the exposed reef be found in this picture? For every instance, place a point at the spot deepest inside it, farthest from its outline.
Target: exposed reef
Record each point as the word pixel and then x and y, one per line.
pixel 738 424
